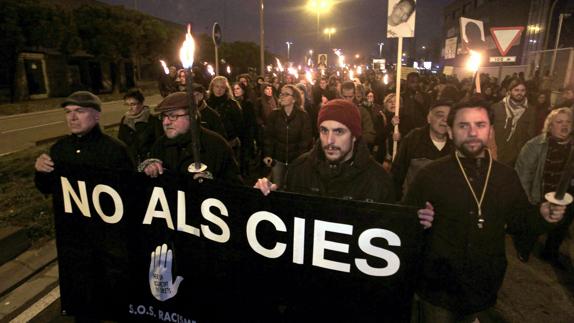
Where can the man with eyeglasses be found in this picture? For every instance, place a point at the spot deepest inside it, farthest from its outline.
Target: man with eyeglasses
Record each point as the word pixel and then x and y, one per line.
pixel 173 151
pixel 87 145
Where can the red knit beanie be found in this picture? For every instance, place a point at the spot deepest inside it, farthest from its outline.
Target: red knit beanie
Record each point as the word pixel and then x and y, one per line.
pixel 344 112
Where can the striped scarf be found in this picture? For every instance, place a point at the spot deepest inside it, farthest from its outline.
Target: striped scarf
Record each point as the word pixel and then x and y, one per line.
pixel 514 110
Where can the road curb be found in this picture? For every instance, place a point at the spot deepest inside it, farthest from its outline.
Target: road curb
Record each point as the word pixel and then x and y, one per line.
pixel 15 302
pixel 13 241
pixel 17 271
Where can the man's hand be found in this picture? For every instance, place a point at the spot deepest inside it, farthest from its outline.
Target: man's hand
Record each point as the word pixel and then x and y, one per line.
pixel 268 161
pixel 426 215
pixel 44 164
pixel 202 175
pixel 552 213
pixel 396 136
pixel 160 280
pixel 154 169
pixel 265 186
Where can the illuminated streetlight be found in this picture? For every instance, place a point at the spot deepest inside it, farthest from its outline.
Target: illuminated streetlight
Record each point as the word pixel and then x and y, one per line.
pixel 329 31
pixel 318 7
pixel 357 56
pixel 288 43
pixel 381 44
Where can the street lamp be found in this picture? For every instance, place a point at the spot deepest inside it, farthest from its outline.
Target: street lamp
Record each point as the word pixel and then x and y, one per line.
pixel 288 43
pixel 329 31
pixel 381 44
pixel 317 7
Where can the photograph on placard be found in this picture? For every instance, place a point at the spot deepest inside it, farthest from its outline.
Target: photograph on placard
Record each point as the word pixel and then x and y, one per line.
pixel 472 34
pixel 322 59
pixel 401 19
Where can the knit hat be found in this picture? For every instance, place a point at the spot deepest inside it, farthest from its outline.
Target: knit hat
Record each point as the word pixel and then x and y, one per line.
pixel 344 112
pixel 83 99
pixel 176 100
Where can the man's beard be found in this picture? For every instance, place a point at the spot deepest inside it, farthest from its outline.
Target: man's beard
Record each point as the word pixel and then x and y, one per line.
pixel 521 100
pixel 471 153
pixel 339 159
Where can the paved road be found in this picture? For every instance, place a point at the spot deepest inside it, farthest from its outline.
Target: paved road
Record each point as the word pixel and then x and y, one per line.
pixel 21 131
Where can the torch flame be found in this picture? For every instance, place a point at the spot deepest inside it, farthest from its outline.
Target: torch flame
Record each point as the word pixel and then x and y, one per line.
pixel 210 70
pixel 187 49
pixel 269 68
pixel 228 69
pixel 341 61
pixel 386 79
pixel 165 69
pixel 293 71
pixel 309 77
pixel 351 75
pixel 473 62
pixel 279 65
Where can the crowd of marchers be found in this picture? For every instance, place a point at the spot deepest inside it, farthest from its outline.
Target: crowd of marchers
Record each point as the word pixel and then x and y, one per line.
pixel 477 165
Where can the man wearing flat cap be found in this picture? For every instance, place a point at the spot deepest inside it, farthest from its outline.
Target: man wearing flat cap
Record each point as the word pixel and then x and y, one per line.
pixel 173 151
pixel 339 165
pixel 87 145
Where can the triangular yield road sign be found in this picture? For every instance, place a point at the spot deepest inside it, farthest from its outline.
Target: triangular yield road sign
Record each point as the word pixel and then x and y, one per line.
pixel 505 37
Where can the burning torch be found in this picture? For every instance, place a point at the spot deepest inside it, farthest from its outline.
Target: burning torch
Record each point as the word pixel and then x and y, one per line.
pixel 186 53
pixel 473 64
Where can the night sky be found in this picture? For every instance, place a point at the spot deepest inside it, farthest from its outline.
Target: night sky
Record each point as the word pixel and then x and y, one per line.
pixel 360 24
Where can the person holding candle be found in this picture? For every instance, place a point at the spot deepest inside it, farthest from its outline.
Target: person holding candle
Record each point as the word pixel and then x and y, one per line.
pixel 540 164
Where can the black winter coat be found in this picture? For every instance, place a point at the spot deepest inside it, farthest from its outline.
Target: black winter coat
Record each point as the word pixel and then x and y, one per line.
pixel 463 266
pixel 230 113
pixel 360 178
pixel 94 149
pixel 287 137
pixel 140 139
pixel 177 154
pixel 416 150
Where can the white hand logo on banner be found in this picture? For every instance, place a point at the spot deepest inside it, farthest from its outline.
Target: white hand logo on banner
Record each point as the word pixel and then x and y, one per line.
pixel 160 280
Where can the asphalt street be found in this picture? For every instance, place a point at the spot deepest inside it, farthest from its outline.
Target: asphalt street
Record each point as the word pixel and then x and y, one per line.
pixel 18 132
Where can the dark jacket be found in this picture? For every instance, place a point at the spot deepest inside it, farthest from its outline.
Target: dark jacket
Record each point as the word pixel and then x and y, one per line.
pixel 413 113
pixel 211 119
pixel 249 125
pixel 360 178
pixel 177 154
pixel 230 113
pixel 94 149
pixel 287 137
pixel 507 151
pixel 463 266
pixel 140 139
pixel 415 151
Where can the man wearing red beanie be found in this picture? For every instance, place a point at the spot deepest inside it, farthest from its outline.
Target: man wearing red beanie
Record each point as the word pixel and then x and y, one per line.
pixel 339 165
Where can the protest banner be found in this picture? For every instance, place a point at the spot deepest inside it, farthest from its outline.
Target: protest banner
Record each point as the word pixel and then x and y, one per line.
pixel 174 250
